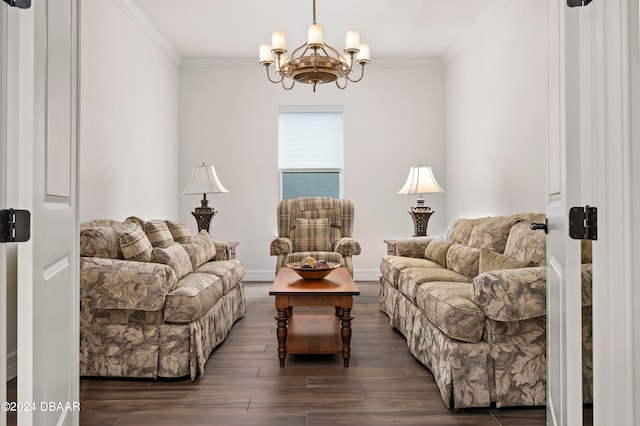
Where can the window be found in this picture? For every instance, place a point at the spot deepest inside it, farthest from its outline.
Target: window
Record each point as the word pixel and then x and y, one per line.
pixel 310 151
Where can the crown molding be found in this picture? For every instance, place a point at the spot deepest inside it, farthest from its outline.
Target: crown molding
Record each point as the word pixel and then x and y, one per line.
pixel 433 63
pixel 141 20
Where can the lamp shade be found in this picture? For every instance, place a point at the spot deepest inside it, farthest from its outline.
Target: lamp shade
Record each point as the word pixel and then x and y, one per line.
pixel 420 181
pixel 204 180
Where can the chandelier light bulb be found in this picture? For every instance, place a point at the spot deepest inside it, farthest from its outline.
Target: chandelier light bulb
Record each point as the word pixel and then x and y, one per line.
pixel 314 37
pixel 352 41
pixel 363 56
pixel 278 41
pixel 266 57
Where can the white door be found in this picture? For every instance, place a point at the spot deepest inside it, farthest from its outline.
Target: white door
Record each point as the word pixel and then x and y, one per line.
pixel 48 291
pixel 3 205
pixel 564 300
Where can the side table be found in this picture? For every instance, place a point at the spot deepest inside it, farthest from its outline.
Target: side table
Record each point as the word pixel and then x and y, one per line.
pixel 391 247
pixel 232 248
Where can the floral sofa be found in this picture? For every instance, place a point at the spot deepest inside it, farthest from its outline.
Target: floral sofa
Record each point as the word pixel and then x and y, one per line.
pixel 154 301
pixel 472 306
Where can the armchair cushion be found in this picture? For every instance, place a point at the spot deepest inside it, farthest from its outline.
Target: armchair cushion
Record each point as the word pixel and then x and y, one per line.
pixel 158 233
pixel 134 244
pixel 347 247
pixel 174 256
pixel 492 261
pixel 311 235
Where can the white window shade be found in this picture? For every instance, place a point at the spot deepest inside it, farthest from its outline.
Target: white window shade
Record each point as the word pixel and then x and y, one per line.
pixel 310 140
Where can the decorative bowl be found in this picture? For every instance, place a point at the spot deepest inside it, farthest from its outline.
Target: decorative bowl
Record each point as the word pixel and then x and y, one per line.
pixel 313 273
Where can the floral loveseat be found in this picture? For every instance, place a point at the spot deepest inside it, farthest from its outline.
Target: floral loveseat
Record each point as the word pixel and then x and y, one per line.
pixel 154 301
pixel 472 306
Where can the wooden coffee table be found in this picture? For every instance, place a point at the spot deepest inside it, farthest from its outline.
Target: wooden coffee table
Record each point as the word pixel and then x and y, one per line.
pixel 314 334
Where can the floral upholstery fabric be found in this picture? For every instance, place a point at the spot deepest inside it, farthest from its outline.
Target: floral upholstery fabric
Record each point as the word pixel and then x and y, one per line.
pixel 512 295
pixel 437 252
pixel 484 340
pixel 412 247
pixel 464 260
pixel 449 307
pixel 194 295
pixel 138 320
pixel 174 256
pixel 492 261
pixel 412 278
pixel 340 217
pixel 101 241
pixel 492 232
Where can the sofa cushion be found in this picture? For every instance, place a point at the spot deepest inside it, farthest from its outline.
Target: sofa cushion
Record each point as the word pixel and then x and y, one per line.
pixel 229 271
pixel 311 235
pixel 134 243
pixel 461 231
pixel 464 260
pixel 197 253
pixel 492 232
pixel 158 233
pixel 449 307
pixel 101 241
pixel 492 261
pixel 174 256
pixel 203 239
pixel 526 244
pixel 437 251
pixel 411 279
pixel 194 295
pixel 391 266
pixel 179 230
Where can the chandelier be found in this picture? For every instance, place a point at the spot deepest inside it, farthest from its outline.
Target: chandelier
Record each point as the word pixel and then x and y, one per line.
pixel 315 62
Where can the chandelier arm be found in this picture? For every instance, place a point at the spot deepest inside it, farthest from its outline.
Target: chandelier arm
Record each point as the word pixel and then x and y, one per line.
pixel 269 76
pixel 293 83
pixel 346 81
pixel 361 74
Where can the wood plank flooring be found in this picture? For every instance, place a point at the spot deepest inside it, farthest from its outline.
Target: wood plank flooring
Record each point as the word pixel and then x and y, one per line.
pixel 244 385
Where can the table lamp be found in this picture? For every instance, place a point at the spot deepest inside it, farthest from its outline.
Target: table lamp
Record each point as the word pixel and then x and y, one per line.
pixel 204 180
pixel 420 181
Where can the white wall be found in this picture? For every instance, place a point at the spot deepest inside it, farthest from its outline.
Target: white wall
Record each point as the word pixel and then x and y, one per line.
pixel 496 114
pixel 129 117
pixel 393 119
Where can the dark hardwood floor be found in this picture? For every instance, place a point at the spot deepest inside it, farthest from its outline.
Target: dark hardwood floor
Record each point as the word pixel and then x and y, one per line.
pixel 244 385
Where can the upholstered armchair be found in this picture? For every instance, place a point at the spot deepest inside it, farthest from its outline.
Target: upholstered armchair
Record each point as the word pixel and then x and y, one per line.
pixel 320 227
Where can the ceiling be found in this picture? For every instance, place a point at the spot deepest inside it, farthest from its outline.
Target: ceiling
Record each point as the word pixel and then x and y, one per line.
pixel 235 28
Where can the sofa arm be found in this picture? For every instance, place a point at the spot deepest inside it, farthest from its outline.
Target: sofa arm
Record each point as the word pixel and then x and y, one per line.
pixel 121 284
pixel 281 246
pixel 512 294
pixel 223 250
pixel 413 247
pixel 347 247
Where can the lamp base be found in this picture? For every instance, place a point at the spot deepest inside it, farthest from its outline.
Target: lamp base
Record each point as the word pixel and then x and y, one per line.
pixel 203 217
pixel 420 216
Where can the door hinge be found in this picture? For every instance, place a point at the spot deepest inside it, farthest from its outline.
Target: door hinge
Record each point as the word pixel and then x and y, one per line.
pixel 578 3
pixel 22 4
pixel 15 226
pixel 583 223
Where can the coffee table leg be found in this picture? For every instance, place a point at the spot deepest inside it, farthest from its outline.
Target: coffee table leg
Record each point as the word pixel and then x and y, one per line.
pixel 345 321
pixel 282 320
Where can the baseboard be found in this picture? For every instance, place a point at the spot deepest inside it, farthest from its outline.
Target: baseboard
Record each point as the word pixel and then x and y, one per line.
pixel 268 275
pixel 12 365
